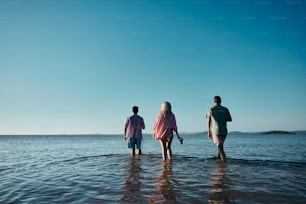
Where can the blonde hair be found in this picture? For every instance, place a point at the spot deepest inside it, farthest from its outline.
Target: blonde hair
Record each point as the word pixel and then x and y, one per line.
pixel 166 108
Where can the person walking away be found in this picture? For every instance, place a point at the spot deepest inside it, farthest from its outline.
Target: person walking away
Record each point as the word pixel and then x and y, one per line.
pixel 164 126
pixel 218 116
pixel 133 131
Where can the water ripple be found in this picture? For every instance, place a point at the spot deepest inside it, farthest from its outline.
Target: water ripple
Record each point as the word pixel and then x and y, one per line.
pixel 68 176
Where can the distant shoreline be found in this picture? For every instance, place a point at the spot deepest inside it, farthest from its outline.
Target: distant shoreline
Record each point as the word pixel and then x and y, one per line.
pixel 279 132
pixel 271 132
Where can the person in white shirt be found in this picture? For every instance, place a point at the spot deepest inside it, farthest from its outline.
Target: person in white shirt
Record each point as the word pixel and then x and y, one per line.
pixel 218 116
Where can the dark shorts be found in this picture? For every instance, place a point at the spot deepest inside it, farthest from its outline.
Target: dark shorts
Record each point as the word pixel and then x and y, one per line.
pixel 219 139
pixel 133 142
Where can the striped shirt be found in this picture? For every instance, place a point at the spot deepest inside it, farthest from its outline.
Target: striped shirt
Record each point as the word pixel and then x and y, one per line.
pixel 134 125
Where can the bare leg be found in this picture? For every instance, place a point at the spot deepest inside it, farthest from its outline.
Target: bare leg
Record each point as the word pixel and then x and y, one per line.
pixel 133 151
pixel 221 152
pixel 139 151
pixel 169 151
pixel 164 149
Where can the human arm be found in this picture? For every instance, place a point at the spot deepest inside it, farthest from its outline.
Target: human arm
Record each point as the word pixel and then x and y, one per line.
pixel 143 126
pixel 208 116
pixel 208 127
pixel 179 137
pixel 125 128
pixel 124 136
pixel 174 129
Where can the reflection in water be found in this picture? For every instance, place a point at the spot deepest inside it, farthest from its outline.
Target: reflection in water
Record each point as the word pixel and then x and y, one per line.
pixel 164 186
pixel 131 191
pixel 219 187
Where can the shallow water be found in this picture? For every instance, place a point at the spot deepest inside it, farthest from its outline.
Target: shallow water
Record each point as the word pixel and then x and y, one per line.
pixel 99 169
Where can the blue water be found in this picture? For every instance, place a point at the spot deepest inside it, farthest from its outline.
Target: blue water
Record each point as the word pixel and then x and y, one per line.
pixel 99 169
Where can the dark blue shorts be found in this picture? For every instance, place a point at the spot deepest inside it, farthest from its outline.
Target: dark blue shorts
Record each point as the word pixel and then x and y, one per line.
pixel 133 142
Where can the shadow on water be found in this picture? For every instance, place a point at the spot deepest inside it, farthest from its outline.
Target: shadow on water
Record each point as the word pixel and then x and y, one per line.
pixel 219 187
pixel 133 184
pixel 147 178
pixel 164 186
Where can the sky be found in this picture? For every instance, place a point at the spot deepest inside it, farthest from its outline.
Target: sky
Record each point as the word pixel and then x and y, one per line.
pixel 78 67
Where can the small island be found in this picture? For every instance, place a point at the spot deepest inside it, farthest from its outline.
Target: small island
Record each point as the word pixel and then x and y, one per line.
pixel 279 132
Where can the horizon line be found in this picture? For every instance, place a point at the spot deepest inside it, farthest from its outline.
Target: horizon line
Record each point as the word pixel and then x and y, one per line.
pixel 106 134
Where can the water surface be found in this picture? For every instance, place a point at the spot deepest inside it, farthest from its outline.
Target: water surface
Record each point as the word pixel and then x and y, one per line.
pixel 99 169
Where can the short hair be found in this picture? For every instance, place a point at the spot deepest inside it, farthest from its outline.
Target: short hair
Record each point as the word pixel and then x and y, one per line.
pixel 135 109
pixel 217 99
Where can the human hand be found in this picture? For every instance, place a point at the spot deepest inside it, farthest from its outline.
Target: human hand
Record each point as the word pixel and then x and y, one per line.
pixel 181 140
pixel 209 135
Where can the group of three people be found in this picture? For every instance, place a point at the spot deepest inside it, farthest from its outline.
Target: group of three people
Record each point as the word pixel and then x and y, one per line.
pixel 165 125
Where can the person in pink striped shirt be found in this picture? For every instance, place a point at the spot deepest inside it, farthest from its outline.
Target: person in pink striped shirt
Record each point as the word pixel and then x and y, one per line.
pixel 133 130
pixel 164 126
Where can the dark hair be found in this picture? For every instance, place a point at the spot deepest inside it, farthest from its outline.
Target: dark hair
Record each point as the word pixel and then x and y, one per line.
pixel 135 109
pixel 217 99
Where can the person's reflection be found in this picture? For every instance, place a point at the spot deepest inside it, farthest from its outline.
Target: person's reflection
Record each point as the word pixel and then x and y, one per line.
pixel 164 185
pixel 131 190
pixel 220 185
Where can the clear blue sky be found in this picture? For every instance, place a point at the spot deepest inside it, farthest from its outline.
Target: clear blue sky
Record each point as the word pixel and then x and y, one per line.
pixel 79 66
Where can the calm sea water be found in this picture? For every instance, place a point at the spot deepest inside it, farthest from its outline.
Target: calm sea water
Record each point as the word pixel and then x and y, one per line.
pixel 99 169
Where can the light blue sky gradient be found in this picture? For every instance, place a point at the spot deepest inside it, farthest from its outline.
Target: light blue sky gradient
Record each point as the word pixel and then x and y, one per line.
pixel 78 66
